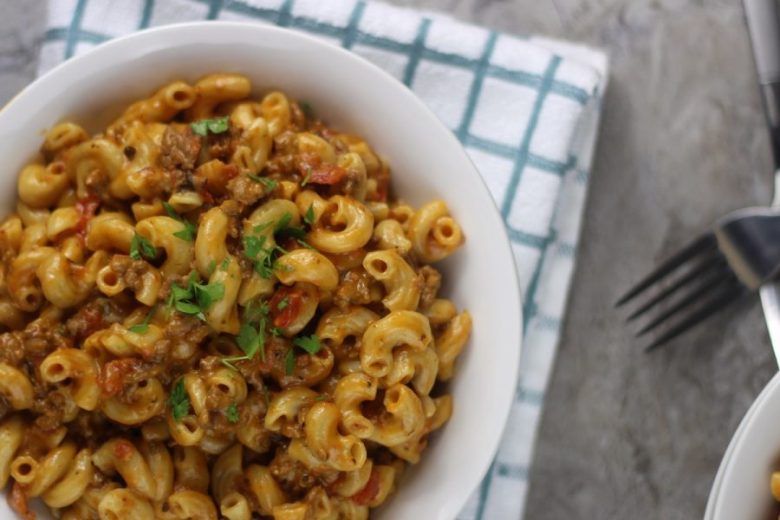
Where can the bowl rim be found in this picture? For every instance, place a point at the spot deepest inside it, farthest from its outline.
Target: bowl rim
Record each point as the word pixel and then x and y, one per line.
pixel 91 61
pixel 726 472
pixel 735 440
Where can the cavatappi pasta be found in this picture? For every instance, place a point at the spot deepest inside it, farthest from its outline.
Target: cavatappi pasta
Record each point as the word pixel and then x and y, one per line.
pixel 214 309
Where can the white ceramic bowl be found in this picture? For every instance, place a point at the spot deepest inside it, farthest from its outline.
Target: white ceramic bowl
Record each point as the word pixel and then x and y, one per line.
pixel 427 162
pixel 741 488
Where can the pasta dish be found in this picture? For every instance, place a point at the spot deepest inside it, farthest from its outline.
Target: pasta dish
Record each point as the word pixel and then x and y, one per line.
pixel 216 309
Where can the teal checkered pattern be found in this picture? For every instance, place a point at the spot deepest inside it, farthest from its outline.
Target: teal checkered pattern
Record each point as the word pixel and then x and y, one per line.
pixel 525 109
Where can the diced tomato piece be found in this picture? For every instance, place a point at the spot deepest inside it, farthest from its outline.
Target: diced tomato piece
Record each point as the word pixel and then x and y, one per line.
pixel 87 209
pixel 329 174
pixel 123 450
pixel 17 499
pixel 112 380
pixel 92 321
pixel 291 309
pixel 230 171
pixel 206 195
pixel 366 495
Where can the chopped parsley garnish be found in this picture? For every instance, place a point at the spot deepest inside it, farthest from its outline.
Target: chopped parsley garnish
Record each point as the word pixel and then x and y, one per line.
pixel 212 267
pixel 254 249
pixel 268 184
pixel 141 247
pixel 142 327
pixel 257 249
pixel 308 217
pixel 321 397
pixel 284 230
pixel 307 109
pixel 289 362
pixel 283 304
pixel 251 335
pixel 294 232
pixel 276 331
pixel 232 413
pixel 307 178
pixel 262 227
pixel 195 298
pixel 188 233
pixel 251 340
pixel 255 246
pixel 311 344
pixel 225 264
pixel 217 125
pixel 179 401
pixel 284 221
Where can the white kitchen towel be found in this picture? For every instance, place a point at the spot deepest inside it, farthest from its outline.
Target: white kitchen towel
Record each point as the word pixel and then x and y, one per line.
pixel 526 110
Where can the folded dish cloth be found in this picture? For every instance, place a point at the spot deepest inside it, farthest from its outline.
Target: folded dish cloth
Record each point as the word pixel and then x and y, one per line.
pixel 526 110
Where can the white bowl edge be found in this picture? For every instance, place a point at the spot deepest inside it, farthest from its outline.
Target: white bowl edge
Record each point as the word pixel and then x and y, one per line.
pixel 742 483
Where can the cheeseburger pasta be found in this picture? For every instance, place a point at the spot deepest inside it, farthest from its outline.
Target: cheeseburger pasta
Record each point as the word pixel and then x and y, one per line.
pixel 214 309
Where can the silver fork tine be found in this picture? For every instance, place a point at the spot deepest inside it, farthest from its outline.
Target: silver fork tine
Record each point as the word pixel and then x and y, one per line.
pixel 715 260
pixel 727 295
pixel 702 244
pixel 711 283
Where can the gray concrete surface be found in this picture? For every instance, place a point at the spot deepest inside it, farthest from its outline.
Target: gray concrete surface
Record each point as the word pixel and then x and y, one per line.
pixel 624 434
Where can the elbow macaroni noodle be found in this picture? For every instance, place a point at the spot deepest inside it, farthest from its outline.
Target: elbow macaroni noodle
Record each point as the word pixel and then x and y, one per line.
pixel 213 309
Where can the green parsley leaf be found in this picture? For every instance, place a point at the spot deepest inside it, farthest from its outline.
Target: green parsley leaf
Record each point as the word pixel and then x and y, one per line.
pixel 141 247
pixel 251 335
pixel 142 327
pixel 171 212
pixel 321 397
pixel 187 308
pixel 187 234
pixel 254 249
pixel 228 362
pixel 208 293
pixel 251 340
pixel 257 310
pixel 232 413
pixel 283 222
pixel 284 230
pixel 268 184
pixel 212 267
pixel 195 297
pixel 307 109
pixel 309 216
pixel 283 304
pixel 276 331
pixel 307 178
pixel 310 344
pixel 306 244
pixel 262 227
pixel 294 232
pixel 217 125
pixel 225 264
pixel 289 362
pixel 189 231
pixel 262 256
pixel 179 401
pixel 253 246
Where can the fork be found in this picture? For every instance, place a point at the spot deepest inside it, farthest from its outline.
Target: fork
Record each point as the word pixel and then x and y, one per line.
pixel 739 254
